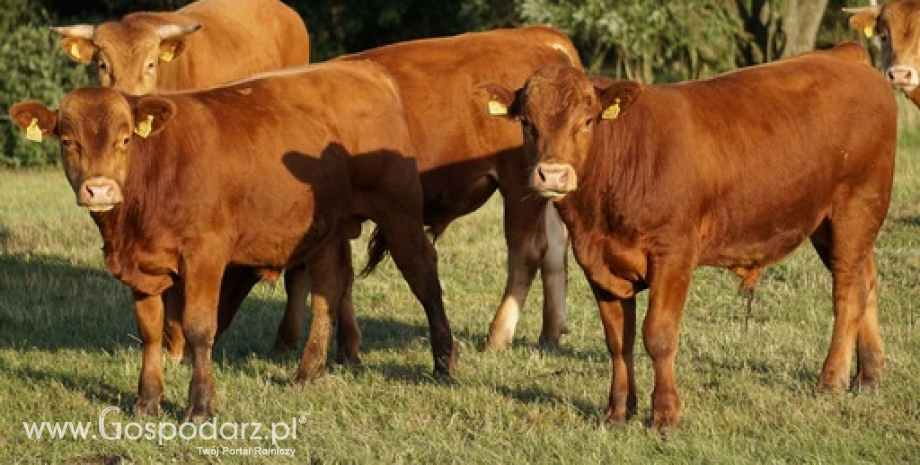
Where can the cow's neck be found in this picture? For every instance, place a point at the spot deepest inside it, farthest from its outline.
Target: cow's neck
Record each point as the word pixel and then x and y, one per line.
pixel 129 238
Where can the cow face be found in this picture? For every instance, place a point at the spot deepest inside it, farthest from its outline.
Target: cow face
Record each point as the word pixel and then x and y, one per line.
pixel 126 54
pixel 896 26
pixel 96 128
pixel 559 108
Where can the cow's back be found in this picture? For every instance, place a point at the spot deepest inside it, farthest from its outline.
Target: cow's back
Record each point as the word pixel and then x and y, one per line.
pixel 438 76
pixel 238 38
pixel 758 157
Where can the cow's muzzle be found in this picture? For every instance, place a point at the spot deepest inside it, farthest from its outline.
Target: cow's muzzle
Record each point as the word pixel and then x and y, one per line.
pixel 99 194
pixel 903 77
pixel 553 180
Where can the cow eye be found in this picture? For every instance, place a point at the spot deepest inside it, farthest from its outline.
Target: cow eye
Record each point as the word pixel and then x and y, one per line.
pixel 588 123
pixel 151 65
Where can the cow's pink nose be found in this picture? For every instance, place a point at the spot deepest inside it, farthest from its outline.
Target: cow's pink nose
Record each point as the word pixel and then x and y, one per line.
pixel 554 175
pixel 902 76
pixel 99 192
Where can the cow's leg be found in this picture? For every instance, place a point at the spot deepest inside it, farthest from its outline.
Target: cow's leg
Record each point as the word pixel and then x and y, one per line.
pixel 619 319
pixel 554 272
pixel 331 274
pixel 417 261
pixel 348 335
pixel 204 273
pixel 236 284
pixel 150 318
pixel 845 247
pixel 174 302
pixel 297 286
pixel 668 286
pixel 536 239
pixel 870 352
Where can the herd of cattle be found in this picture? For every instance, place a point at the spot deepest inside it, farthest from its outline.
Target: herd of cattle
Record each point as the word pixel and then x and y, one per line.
pixel 213 156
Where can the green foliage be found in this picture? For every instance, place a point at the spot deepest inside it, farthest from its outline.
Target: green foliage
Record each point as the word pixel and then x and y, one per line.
pixel 642 40
pixel 347 26
pixel 32 68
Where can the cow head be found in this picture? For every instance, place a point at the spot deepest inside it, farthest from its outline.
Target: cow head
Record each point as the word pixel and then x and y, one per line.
pixel 559 108
pixel 895 24
pixel 126 54
pixel 95 128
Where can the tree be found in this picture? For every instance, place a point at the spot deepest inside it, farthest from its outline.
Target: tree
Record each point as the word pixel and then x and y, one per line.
pixel 643 40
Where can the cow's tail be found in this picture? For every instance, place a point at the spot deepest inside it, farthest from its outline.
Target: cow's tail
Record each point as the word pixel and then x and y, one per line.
pixel 377 250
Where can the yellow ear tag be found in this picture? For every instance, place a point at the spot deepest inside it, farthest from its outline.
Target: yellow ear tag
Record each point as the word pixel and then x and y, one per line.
pixel 869 31
pixel 497 108
pixel 612 111
pixel 33 132
pixel 75 50
pixel 168 55
pixel 144 127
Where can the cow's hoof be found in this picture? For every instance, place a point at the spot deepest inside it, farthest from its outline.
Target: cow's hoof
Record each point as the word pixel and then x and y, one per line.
pixel 197 414
pixel 146 408
pixel 831 383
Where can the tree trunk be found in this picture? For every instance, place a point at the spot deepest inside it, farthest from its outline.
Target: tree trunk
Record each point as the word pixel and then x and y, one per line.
pixel 801 19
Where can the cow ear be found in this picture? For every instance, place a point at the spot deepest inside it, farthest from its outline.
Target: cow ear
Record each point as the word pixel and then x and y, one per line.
pixel 79 49
pixel 864 19
pixel 501 101
pixel 152 114
pixel 616 96
pixel 173 40
pixel 35 119
pixel 77 42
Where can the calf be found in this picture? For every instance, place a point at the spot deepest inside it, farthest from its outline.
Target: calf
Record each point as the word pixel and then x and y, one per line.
pixel 205 43
pixel 266 173
pixel 734 172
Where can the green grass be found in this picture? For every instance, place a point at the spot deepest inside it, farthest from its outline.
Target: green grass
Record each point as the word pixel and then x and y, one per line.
pixel 69 348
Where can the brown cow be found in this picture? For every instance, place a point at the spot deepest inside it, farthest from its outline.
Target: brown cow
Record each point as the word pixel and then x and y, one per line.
pixel 734 172
pixel 465 156
pixel 267 173
pixel 895 25
pixel 205 43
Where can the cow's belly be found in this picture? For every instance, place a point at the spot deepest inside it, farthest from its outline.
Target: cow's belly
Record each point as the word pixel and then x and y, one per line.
pixel 761 242
pixel 454 191
pixel 275 244
pixel 752 253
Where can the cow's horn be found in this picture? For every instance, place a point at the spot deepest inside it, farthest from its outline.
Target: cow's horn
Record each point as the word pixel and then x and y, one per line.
pixel 874 9
pixel 85 31
pixel 174 30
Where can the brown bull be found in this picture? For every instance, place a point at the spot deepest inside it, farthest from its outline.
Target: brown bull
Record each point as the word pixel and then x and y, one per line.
pixel 267 173
pixel 733 172
pixel 205 43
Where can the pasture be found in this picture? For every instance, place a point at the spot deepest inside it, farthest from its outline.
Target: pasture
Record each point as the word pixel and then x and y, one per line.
pixel 69 349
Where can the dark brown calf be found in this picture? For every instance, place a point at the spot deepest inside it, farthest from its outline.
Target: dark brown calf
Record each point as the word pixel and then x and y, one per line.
pixel 268 173
pixel 733 172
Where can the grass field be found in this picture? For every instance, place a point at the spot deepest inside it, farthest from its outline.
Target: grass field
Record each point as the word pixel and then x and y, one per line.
pixel 69 349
